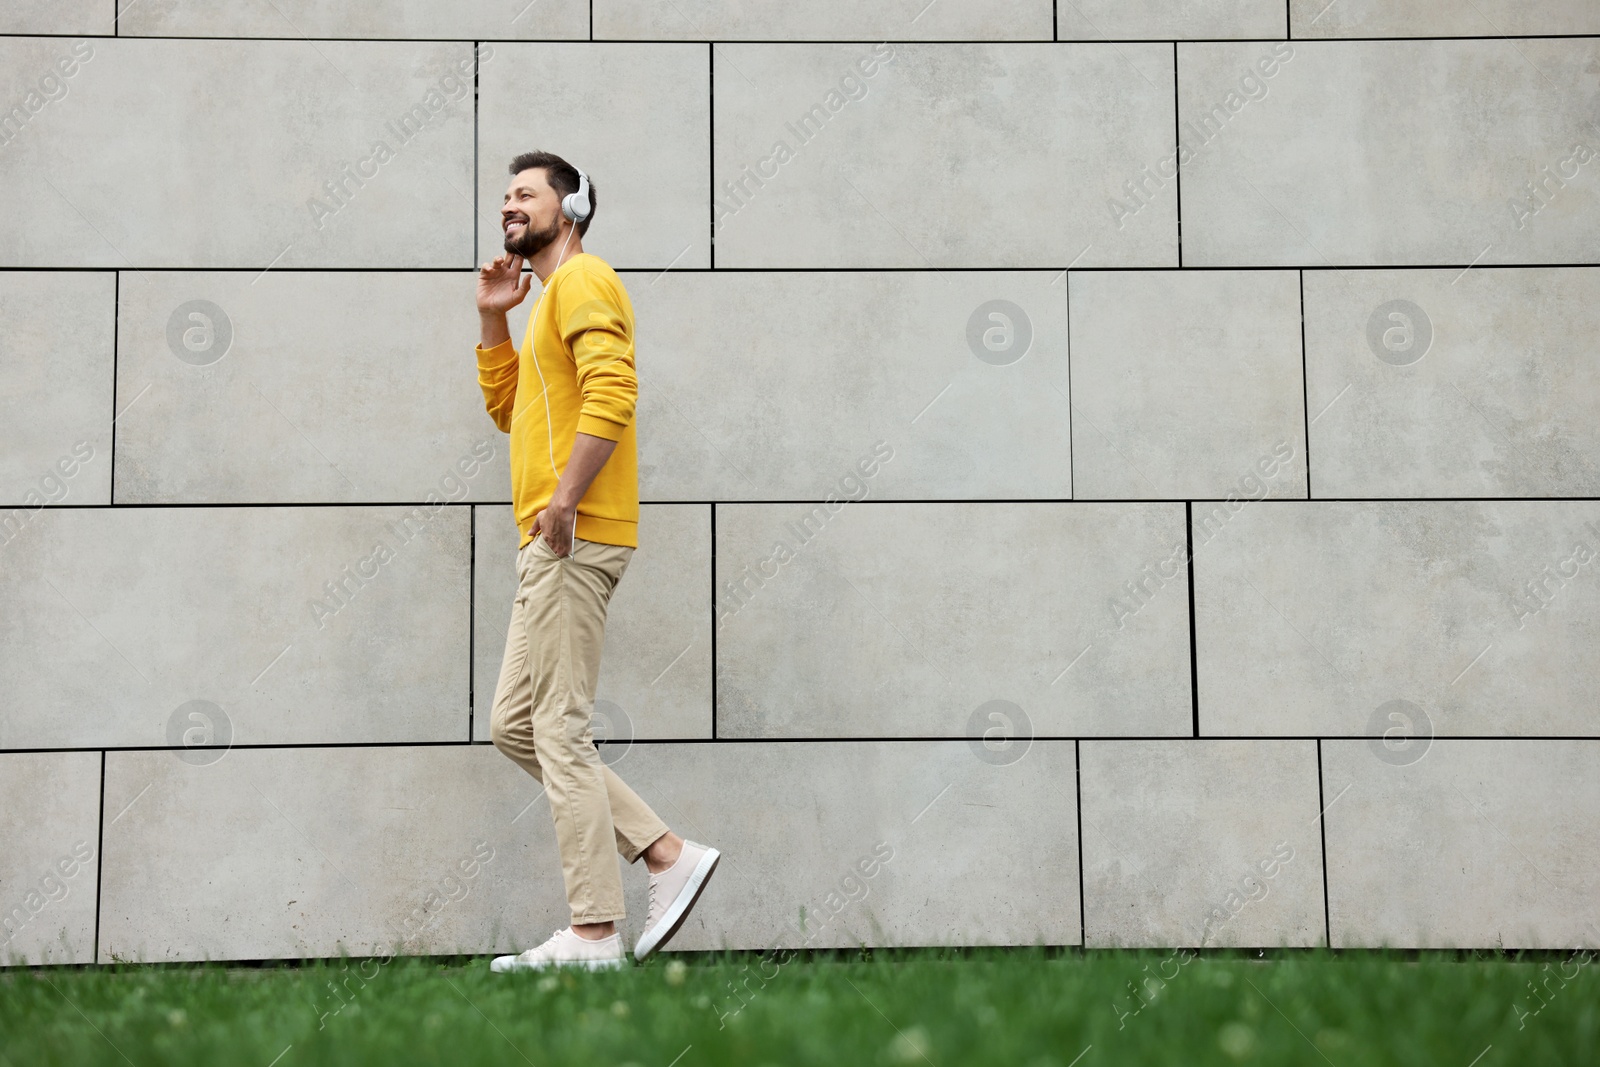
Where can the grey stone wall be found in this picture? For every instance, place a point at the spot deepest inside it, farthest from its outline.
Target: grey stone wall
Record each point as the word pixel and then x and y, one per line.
pixel 1132 465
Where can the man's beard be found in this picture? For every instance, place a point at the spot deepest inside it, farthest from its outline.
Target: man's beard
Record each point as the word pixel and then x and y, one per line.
pixel 531 242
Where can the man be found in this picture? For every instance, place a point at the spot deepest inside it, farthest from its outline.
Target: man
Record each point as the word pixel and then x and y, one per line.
pixel 567 400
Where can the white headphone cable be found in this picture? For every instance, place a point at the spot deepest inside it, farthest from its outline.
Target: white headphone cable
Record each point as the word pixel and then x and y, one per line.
pixel 544 389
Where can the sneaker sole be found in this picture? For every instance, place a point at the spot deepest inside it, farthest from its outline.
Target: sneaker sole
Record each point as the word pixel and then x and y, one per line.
pixel 588 965
pixel 650 942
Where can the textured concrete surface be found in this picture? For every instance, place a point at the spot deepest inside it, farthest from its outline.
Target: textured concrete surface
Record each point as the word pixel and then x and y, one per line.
pixel 844 805
pixel 56 16
pixel 1187 385
pixel 960 375
pixel 295 626
pixel 276 393
pixel 49 858
pixel 1387 153
pixel 1429 383
pixel 990 451
pixel 1311 617
pixel 233 177
pixel 906 620
pixel 635 117
pixel 1485 843
pixel 454 19
pixel 774 20
pixel 234 860
pixel 57 333
pixel 655 673
pixel 1006 128
pixel 1115 20
pixel 230 861
pixel 1201 844
pixel 1442 18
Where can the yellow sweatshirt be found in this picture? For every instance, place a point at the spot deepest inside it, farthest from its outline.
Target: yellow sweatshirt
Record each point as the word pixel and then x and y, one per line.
pixel 580 343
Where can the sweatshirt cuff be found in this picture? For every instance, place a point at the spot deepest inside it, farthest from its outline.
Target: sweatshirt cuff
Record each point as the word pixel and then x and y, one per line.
pixel 595 426
pixel 499 357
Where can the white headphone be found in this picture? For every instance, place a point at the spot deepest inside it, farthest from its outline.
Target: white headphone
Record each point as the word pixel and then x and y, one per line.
pixel 576 207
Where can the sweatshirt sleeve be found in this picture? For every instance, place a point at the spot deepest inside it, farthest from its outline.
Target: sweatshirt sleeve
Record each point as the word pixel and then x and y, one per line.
pixel 601 340
pixel 497 376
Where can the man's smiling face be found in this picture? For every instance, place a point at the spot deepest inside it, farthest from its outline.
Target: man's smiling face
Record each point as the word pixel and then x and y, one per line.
pixel 530 216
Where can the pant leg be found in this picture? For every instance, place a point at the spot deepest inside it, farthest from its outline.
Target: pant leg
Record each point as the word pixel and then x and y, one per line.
pixel 542 710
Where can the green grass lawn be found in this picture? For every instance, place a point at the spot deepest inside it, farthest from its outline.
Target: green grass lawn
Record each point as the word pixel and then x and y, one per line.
pixel 1031 1007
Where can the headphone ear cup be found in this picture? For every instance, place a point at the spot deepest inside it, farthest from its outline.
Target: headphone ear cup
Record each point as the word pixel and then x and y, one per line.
pixel 576 206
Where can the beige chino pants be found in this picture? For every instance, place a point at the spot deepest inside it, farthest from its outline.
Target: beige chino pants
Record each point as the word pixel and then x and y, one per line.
pixel 541 717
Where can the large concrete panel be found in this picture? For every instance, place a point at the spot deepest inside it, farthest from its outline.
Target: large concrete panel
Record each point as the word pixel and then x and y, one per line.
pixel 635 117
pixel 290 153
pixel 776 20
pixel 116 621
pixel 1425 383
pixel 56 16
pixel 1479 618
pixel 1201 843
pixel 57 337
pixel 49 856
pixel 1442 18
pixel 290 853
pixel 1473 844
pixel 268 390
pixel 888 620
pixel 453 19
pixel 231 861
pixel 1390 152
pixel 1187 384
pixel 655 672
pixel 775 385
pixel 1162 20
pixel 959 155
pixel 978 852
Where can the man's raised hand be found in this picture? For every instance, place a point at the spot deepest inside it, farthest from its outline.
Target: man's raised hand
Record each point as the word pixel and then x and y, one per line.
pixel 501 284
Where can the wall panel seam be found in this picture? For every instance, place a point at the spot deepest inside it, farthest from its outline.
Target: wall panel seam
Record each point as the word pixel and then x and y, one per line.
pixel 1055 269
pixel 1322 830
pixel 99 858
pixel 1551 739
pixel 1077 781
pixel 769 502
pixel 1305 388
pixel 116 330
pixel 1194 660
pixel 1431 39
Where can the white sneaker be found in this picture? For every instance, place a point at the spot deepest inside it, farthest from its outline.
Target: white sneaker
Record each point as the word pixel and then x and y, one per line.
pixel 672 893
pixel 565 949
